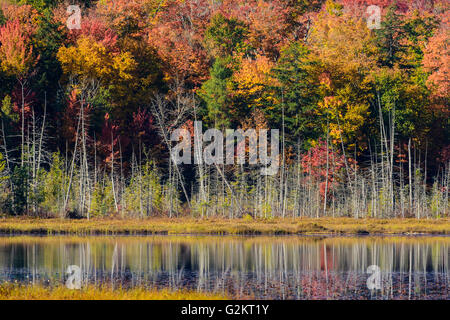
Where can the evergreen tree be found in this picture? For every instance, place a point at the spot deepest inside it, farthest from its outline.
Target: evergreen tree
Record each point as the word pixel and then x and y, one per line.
pixel 388 38
pixel 297 92
pixel 215 93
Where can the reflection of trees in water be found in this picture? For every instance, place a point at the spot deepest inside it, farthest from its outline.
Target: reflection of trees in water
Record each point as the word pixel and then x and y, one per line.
pixel 330 268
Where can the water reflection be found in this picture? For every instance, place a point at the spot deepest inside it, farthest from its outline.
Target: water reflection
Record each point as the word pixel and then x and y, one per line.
pixel 255 267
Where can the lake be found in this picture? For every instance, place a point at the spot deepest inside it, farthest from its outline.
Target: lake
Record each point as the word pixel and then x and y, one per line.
pixel 282 267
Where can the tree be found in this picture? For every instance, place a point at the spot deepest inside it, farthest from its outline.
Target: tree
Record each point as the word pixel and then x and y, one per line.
pixel 435 62
pixel 90 60
pixel 88 65
pixel 16 50
pixel 323 165
pixel 226 36
pixel 436 66
pixel 17 60
pixel 343 46
pixel 177 34
pixel 20 179
pixel 298 92
pixel 54 185
pixel 216 94
pixel 251 85
pixel 389 38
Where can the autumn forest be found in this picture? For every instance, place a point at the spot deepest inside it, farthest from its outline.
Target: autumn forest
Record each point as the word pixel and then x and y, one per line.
pixel 87 113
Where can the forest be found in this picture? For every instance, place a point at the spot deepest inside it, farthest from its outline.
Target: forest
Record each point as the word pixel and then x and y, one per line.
pixel 87 113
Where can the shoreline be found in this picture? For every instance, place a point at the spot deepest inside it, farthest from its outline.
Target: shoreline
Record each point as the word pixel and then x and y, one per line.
pixel 221 226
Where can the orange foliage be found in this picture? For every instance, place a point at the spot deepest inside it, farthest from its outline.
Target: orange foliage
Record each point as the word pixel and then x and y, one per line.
pixel 252 81
pixel 16 51
pixel 436 61
pixel 177 35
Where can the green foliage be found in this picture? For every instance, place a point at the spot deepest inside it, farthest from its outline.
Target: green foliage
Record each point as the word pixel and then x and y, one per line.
pixel 298 92
pixel 2 17
pixel 7 111
pixel 226 36
pixel 19 179
pixel 49 37
pixel 3 170
pixel 144 194
pixel 215 92
pixel 334 8
pixel 40 4
pixel 389 38
pixel 418 29
pixel 311 68
pixel 401 96
pixel 54 185
pixel 102 199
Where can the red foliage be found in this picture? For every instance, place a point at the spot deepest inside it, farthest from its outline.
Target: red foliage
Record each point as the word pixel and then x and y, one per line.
pixel 325 285
pixel 444 155
pixel 143 128
pixel 25 15
pixel 96 29
pixel 314 163
pixel 71 116
pixel 178 38
pixel 129 17
pixel 16 50
pixel 29 100
pixel 270 23
pixel 108 144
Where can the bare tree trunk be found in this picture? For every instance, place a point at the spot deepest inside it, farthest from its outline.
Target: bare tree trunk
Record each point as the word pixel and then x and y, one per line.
pixel 33 165
pixel 66 199
pixel 140 180
pixel 326 180
pixel 282 166
pixel 122 180
pixel 112 173
pixel 22 84
pixel 410 175
pixel 160 114
pixel 5 147
pixel 42 135
pixel 201 174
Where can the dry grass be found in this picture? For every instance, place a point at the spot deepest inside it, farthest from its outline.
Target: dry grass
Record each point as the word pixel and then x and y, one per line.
pixel 9 291
pixel 115 226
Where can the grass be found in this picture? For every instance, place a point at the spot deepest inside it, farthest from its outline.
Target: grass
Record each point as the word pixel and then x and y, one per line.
pixel 220 226
pixel 14 291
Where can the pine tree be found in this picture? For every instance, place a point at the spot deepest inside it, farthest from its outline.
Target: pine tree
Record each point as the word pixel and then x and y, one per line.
pixel 215 93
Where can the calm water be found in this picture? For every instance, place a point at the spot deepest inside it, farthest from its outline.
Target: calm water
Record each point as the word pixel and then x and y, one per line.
pixel 242 267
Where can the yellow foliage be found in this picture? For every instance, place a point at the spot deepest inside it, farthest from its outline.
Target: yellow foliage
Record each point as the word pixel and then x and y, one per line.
pixel 344 46
pixel 90 60
pixel 252 80
pixel 16 51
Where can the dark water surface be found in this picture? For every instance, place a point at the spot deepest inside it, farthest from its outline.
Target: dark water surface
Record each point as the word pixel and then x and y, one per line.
pixel 241 267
